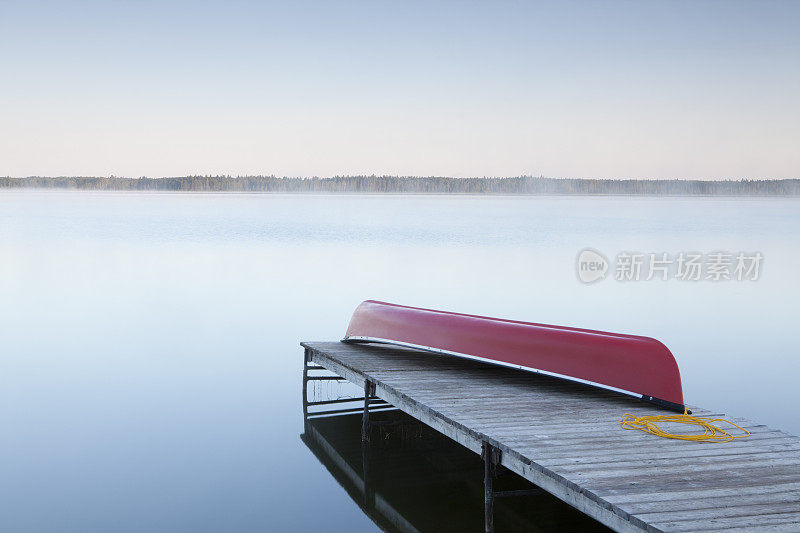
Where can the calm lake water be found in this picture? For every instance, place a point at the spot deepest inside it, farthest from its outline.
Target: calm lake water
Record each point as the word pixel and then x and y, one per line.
pixel 150 370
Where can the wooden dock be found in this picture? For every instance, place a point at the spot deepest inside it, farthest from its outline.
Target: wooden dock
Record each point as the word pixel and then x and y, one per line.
pixel 565 438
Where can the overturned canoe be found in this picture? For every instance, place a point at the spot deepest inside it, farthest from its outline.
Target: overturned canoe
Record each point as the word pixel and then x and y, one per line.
pixel 638 365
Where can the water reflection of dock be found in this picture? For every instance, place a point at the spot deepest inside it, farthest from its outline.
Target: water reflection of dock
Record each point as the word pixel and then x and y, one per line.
pixel 410 478
pixel 564 438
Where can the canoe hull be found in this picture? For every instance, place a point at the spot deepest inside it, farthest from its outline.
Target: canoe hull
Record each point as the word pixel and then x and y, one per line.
pixel 634 364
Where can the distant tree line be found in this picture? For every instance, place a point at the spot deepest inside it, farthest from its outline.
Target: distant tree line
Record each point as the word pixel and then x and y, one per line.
pixel 409 184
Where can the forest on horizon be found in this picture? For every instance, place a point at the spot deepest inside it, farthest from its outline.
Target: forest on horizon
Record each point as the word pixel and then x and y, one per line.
pixel 409 184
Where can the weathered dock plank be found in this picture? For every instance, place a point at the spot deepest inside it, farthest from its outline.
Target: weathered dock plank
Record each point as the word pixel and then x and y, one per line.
pixel 565 438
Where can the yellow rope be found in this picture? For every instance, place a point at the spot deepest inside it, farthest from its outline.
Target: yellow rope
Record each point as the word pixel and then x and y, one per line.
pixel 711 433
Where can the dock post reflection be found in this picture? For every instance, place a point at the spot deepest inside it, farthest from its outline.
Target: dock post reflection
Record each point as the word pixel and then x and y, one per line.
pixel 491 458
pixel 369 493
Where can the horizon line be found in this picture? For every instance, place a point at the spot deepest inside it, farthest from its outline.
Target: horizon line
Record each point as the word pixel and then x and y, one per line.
pixel 394 176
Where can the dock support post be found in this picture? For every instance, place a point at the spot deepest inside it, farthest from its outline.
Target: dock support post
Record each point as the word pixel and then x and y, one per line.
pixel 491 458
pixel 369 391
pixel 306 358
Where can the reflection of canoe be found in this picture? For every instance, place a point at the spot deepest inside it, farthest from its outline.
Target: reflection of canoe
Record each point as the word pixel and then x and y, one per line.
pixel 638 365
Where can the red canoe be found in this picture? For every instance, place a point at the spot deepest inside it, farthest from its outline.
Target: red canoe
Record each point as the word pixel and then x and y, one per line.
pixel 638 365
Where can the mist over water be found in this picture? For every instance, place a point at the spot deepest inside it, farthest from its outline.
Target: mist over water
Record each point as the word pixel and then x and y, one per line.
pixel 149 359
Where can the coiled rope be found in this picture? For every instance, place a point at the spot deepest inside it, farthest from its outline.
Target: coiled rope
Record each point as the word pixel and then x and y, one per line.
pixel 711 432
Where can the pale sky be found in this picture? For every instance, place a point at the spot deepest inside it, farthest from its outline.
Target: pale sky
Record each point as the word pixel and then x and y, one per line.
pixel 635 89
